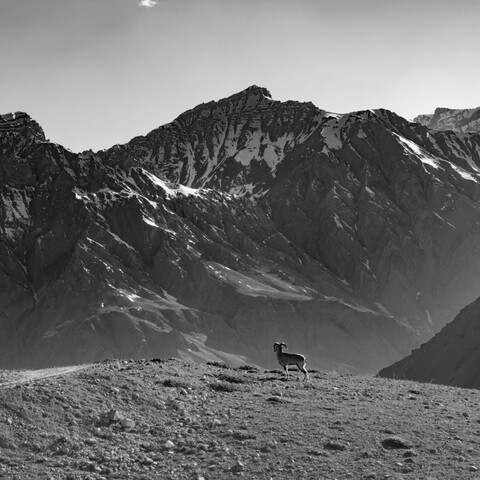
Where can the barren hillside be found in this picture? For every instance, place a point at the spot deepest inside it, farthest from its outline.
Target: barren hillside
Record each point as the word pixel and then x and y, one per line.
pixel 166 419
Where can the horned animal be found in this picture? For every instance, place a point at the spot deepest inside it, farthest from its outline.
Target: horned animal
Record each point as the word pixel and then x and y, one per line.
pixel 286 359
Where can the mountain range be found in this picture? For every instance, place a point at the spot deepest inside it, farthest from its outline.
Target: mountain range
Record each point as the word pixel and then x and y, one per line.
pixel 457 120
pixel 351 237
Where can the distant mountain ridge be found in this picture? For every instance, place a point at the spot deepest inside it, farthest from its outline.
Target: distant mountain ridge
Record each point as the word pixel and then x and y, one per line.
pixel 451 357
pixel 350 237
pixel 466 120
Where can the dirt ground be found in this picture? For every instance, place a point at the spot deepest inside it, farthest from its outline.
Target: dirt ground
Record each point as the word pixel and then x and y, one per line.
pixel 166 419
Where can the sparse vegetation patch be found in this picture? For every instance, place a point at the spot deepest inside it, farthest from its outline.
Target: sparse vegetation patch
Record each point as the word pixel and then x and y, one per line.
pixel 174 383
pixel 222 387
pixel 219 365
pixel 230 378
pixel 249 368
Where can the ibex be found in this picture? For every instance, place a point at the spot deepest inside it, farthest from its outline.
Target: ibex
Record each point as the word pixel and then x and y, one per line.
pixel 286 359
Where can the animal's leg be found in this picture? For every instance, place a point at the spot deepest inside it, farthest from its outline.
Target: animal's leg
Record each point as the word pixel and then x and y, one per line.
pixel 304 370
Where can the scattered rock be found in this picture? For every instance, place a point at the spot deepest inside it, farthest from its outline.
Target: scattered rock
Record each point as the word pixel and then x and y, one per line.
pixel 278 399
pixel 331 445
pixel 110 417
pixel 243 436
pixel 267 448
pixel 366 454
pixel 169 445
pixel 7 443
pixel 238 467
pixel 127 423
pixel 316 452
pixel 396 442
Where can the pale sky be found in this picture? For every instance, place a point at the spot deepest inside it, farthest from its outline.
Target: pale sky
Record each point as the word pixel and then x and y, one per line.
pixel 95 73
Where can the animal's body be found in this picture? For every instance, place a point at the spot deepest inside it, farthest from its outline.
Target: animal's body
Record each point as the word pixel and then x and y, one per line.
pixel 286 359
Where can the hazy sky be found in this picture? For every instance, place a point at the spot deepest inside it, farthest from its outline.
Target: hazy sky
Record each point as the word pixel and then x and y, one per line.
pixel 98 72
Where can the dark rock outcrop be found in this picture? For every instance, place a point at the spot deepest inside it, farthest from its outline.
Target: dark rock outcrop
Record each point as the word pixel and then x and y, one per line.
pixel 20 123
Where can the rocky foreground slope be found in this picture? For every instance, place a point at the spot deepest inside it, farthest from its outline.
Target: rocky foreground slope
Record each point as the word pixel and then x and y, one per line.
pixel 245 221
pixel 166 419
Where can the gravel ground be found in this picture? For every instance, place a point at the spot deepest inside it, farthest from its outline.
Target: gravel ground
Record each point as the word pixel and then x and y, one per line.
pixel 165 419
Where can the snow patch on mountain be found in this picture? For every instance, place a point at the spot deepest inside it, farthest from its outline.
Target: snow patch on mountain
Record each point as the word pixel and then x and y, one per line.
pixel 149 221
pixel 435 162
pixel 331 134
pixel 15 211
pixel 172 190
pixel 259 146
pixel 463 173
pixel 246 190
pixel 265 286
pixel 418 152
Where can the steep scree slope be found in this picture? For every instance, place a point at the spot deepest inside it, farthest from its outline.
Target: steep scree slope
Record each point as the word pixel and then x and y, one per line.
pixel 451 357
pixel 351 237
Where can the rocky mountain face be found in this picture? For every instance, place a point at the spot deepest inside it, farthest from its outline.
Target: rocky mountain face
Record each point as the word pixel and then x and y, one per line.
pixel 245 221
pixel 451 357
pixel 465 120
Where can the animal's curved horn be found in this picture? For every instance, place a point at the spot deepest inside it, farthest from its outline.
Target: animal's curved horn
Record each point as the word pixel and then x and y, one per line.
pixel 284 344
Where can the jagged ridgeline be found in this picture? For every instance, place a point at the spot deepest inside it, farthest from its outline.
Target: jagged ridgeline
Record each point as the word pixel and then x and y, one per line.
pixel 352 238
pixel 459 120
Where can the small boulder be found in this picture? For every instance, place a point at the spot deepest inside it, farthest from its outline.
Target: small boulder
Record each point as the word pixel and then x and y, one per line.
pixel 169 445
pixel 113 416
pixel 396 442
pixel 127 423
pixel 338 446
pixel 238 467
